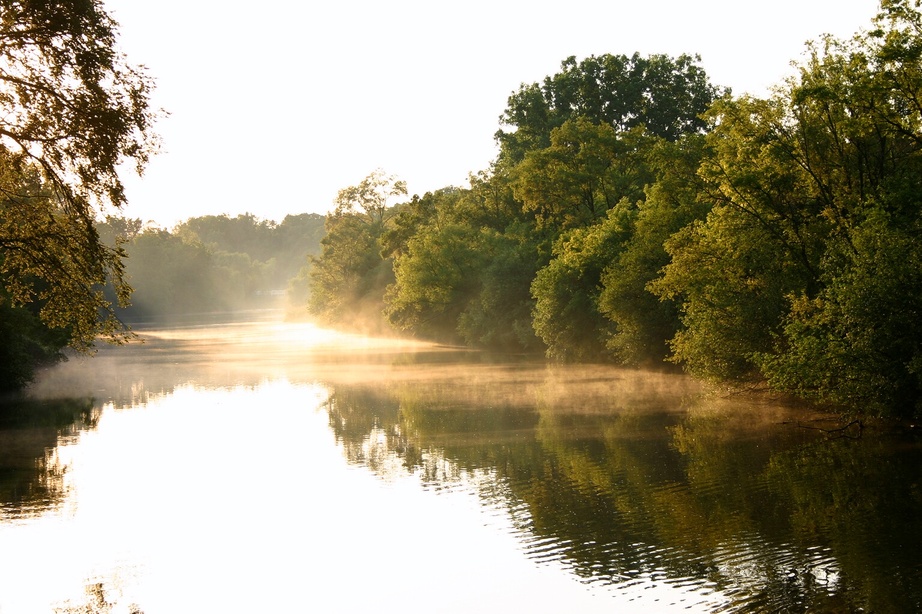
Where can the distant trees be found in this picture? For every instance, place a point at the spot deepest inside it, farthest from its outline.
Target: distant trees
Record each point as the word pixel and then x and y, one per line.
pixel 212 263
pixel 72 112
pixel 636 212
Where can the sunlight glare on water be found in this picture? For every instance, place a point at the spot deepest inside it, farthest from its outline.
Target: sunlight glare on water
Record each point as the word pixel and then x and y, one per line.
pixel 262 514
pixel 264 467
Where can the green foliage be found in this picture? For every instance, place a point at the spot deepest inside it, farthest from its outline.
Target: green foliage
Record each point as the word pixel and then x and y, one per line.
pixel 859 343
pixel 25 344
pixel 587 169
pixel 267 254
pixel 637 213
pixel 806 271
pixel 349 277
pixel 171 277
pixel 244 234
pixel 463 266
pixel 500 315
pixel 643 323
pixel 436 279
pixel 732 272
pixel 731 280
pixel 245 263
pixel 664 95
pixel 566 291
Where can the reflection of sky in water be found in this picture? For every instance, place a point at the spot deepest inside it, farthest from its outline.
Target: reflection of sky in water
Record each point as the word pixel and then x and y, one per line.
pixel 280 467
pixel 235 500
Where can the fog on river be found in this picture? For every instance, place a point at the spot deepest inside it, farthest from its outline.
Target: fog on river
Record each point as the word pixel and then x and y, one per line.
pixel 271 466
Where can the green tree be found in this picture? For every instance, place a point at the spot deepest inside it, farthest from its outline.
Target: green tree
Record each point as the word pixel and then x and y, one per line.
pixel 436 279
pixel 567 316
pixel 665 95
pixel 859 342
pixel 499 316
pixel 242 234
pixel 803 272
pixel 587 169
pixel 581 147
pixel 73 112
pixel 464 259
pixel 348 278
pixel 644 323
pixel 172 277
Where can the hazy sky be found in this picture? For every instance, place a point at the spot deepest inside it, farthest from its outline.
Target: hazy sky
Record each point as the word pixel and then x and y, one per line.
pixel 276 105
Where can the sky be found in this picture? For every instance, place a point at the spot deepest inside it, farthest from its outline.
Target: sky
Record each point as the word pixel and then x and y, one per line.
pixel 276 105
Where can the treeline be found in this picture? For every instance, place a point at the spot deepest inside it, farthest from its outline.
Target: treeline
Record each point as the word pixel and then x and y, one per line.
pixel 212 263
pixel 637 213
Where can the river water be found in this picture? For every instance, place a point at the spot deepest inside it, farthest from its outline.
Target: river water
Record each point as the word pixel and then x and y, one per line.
pixel 278 467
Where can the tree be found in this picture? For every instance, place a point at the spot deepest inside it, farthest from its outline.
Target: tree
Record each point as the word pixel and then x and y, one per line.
pixel 587 169
pixel 805 272
pixel 855 340
pixel 435 280
pixel 463 262
pixel 73 112
pixel 566 291
pixel 370 198
pixel 665 95
pixel 348 278
pixel 643 323
pixel 172 277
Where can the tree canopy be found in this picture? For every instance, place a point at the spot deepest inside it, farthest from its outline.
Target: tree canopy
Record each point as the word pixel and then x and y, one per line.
pixel 73 112
pixel 663 94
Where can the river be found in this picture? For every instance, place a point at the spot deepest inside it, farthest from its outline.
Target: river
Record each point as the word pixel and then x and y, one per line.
pixel 265 466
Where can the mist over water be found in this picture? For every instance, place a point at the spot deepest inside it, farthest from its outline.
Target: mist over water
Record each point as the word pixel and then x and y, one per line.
pixel 271 466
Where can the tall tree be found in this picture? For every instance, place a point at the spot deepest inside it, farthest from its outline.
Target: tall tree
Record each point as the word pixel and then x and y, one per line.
pixel 72 112
pixel 567 315
pixel 587 169
pixel 665 95
pixel 805 272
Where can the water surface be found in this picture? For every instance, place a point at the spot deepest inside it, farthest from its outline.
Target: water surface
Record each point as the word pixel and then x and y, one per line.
pixel 276 467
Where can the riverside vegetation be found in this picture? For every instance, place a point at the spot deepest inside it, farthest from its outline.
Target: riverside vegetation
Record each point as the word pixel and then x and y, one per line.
pixel 636 213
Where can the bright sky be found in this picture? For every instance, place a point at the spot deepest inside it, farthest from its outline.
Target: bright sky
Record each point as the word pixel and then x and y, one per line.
pixel 276 105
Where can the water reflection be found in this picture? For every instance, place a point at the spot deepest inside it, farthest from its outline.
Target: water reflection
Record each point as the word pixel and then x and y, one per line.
pixel 724 497
pixel 637 487
pixel 31 472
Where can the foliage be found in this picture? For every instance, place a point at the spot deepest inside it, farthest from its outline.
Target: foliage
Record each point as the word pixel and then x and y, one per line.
pixel 73 113
pixel 664 95
pixel 273 252
pixel 638 213
pixel 566 291
pixel 805 271
pixel 859 343
pixel 500 314
pixel 348 278
pixel 436 279
pixel 587 170
pixel 173 277
pixel 25 343
pixel 245 262
pixel 642 323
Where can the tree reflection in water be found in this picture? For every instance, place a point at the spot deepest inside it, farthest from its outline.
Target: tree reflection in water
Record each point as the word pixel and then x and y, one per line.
pixel 31 474
pixel 716 494
pixel 98 600
pixel 624 480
